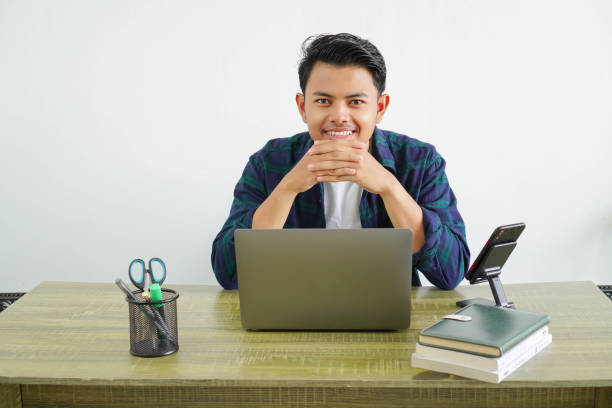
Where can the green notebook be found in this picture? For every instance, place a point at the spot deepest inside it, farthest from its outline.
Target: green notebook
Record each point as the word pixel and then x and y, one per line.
pixel 491 332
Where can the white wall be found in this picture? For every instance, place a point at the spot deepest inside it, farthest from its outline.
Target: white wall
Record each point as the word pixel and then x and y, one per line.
pixel 124 125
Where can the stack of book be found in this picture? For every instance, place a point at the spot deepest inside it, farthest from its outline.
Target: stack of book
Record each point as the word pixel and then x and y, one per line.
pixel 486 343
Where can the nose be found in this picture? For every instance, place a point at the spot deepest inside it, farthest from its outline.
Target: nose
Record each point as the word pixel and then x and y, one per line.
pixel 339 113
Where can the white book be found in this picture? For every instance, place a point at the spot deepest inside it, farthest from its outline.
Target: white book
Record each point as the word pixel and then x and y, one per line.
pixel 482 375
pixel 482 362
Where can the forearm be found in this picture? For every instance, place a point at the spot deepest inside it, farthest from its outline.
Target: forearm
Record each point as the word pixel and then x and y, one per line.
pixel 273 212
pixel 404 212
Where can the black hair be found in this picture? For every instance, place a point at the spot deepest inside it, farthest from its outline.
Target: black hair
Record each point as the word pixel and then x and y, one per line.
pixel 342 49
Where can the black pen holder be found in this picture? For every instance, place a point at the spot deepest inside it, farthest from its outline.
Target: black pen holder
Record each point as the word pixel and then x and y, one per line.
pixel 153 325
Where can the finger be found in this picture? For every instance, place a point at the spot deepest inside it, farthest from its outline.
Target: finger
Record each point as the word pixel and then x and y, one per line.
pixel 326 146
pixel 355 144
pixel 347 142
pixel 333 179
pixel 329 165
pixel 346 154
pixel 352 155
pixel 337 172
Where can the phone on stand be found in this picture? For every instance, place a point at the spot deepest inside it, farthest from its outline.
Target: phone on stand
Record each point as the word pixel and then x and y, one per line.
pixel 490 260
pixel 501 235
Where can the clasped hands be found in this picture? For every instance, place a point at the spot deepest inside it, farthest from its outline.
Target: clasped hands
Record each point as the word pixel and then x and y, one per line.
pixel 339 160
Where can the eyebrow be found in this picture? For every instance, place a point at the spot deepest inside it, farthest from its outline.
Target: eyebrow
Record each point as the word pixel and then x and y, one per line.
pixel 356 95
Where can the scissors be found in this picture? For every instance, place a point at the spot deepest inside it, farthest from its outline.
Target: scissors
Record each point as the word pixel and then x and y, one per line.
pixel 138 274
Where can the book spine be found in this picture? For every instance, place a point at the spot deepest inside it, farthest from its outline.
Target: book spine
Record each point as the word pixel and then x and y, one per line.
pixel 521 336
pixel 522 347
pixel 525 357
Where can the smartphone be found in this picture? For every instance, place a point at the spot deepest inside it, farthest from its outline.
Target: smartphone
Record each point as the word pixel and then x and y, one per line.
pixel 501 235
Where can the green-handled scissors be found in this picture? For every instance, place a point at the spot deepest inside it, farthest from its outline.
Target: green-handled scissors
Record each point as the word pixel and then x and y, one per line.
pixel 138 273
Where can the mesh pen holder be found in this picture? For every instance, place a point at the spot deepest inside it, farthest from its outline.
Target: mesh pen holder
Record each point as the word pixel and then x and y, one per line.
pixel 153 325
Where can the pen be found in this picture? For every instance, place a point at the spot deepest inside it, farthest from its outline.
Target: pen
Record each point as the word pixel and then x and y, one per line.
pixel 151 312
pixel 126 290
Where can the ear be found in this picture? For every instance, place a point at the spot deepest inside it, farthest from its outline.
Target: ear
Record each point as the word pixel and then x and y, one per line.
pixel 383 104
pixel 301 104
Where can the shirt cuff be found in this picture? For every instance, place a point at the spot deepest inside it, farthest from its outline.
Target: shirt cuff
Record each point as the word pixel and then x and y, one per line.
pixel 432 227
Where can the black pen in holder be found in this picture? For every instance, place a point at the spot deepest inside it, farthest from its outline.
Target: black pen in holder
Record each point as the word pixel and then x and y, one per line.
pixel 153 328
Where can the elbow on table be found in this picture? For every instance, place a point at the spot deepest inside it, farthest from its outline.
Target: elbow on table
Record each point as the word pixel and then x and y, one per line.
pixel 229 285
pixel 447 277
pixel 450 284
pixel 226 282
pixel 222 267
pixel 452 276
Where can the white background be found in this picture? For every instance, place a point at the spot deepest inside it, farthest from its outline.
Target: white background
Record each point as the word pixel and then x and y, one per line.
pixel 124 125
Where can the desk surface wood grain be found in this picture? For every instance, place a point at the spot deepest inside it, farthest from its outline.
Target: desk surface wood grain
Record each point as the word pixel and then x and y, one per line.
pixel 77 334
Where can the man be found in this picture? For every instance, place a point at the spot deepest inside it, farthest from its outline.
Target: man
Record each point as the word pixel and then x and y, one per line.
pixel 345 172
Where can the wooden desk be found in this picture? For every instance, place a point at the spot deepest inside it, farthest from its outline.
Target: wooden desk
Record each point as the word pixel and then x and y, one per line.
pixel 67 344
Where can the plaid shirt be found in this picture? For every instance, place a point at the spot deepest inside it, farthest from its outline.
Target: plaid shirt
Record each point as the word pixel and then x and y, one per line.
pixel 444 257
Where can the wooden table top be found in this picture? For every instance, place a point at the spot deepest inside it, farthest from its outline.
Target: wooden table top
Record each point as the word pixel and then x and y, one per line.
pixel 77 333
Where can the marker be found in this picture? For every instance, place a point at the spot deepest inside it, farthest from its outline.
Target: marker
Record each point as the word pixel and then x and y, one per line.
pixel 156 296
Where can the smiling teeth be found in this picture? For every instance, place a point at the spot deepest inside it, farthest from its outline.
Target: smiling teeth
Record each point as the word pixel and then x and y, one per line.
pixel 345 133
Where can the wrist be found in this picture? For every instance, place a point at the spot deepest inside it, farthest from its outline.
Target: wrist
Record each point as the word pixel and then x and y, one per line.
pixel 284 191
pixel 273 212
pixel 391 188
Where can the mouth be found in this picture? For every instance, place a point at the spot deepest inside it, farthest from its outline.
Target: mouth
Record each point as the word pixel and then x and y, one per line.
pixel 340 134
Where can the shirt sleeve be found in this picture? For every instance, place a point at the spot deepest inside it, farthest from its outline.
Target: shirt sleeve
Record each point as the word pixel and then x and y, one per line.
pixel 445 256
pixel 249 194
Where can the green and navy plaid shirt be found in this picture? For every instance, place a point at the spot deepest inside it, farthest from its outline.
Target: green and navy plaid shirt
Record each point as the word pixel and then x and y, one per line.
pixel 420 169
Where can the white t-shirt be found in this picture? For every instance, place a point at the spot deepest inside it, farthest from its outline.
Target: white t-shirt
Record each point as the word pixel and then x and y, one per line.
pixel 341 202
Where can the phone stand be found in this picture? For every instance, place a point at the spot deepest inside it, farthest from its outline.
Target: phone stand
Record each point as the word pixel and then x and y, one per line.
pixel 496 288
pixel 490 270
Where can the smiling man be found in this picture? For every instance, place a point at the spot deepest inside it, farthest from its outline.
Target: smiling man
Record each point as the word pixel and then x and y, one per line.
pixel 345 172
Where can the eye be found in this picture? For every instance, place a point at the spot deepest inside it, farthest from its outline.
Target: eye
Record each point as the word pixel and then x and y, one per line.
pixel 356 102
pixel 322 101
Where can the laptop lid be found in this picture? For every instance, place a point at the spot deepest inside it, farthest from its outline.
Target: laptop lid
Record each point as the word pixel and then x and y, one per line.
pixel 320 279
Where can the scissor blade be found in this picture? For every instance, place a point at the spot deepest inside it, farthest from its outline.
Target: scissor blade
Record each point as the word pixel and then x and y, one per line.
pixel 146 282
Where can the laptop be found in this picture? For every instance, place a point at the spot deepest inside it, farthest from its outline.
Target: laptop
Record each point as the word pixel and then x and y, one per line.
pixel 323 279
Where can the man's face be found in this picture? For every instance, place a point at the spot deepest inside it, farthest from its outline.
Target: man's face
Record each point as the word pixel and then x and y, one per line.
pixel 341 103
